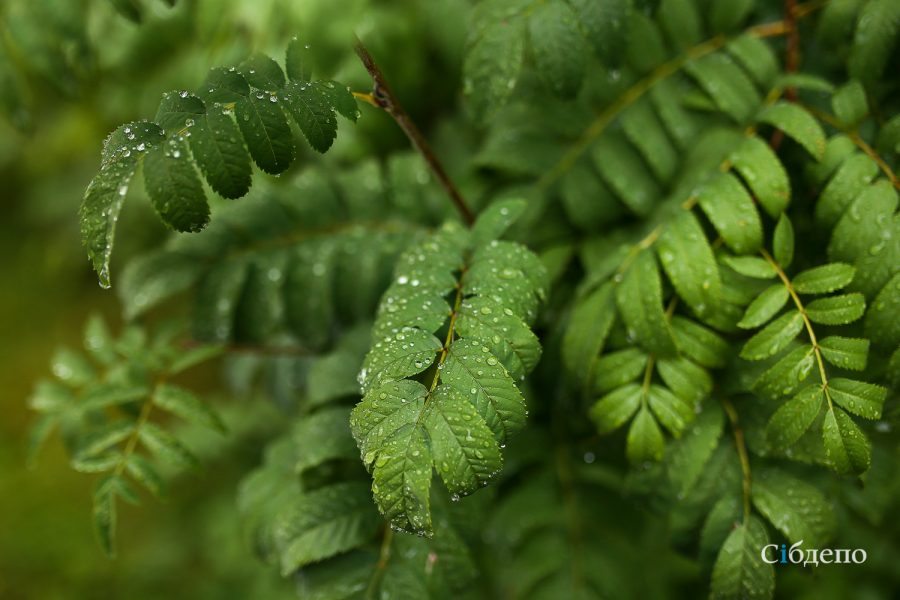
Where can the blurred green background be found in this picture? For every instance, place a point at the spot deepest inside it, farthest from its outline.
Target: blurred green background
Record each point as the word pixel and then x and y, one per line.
pixel 70 72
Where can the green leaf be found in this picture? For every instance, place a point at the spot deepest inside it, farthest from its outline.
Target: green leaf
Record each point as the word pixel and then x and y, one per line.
pixel 623 170
pixel 310 108
pixel 849 104
pixel 882 325
pixel 804 81
pixel 465 452
pixel 846 446
pixel 104 395
pixel 730 208
pixel 298 61
pixel 824 279
pixel 341 99
pixel 863 222
pixel 838 148
pixel 409 306
pixel 670 410
pixel 682 23
pixel 699 343
pixel 727 85
pixel 220 289
pixel 217 147
pixel 96 464
pixel 72 368
pixel 751 266
pixel 893 369
pixel 104 513
pixel 492 66
pixel 764 174
pixel 797 509
pixel 262 72
pixel 144 473
pixel 589 325
pixel 774 336
pixel 177 111
pixel 104 438
pixel 604 26
pixel 402 480
pixel 510 274
pixel 764 307
pixel 795 416
pixel 98 340
pixel 321 437
pixel 875 37
pixel 689 456
pixel 639 299
pixel 646 133
pixel 618 368
pixel 174 187
pixel 797 124
pixel 479 376
pixel 724 516
pixel 837 310
pixel 194 356
pixel 166 446
pixel 726 18
pixel 688 261
pixel 645 440
pixel 858 397
pixel 846 353
pixel 186 405
pixel 616 408
pixel 493 221
pixel 103 199
pixel 266 131
pixel 382 412
pixel 506 336
pixel 853 175
pixel 738 573
pixel 588 202
pixel 787 375
pixel 323 523
pixel 151 278
pixel 224 85
pixel 686 379
pixel 783 242
pixel 558 48
pixel 407 352
pixel 756 57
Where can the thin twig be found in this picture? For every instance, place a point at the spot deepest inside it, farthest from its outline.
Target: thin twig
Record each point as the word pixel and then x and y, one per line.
pixel 384 98
pixel 741 445
pixel 789 286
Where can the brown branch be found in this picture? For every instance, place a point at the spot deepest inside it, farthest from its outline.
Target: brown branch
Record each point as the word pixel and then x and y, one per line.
pixel 384 98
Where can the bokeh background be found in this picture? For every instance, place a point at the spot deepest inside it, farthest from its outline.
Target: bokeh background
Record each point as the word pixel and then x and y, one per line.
pixel 70 72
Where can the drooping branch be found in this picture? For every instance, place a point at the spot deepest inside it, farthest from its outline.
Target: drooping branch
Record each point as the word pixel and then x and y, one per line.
pixel 384 98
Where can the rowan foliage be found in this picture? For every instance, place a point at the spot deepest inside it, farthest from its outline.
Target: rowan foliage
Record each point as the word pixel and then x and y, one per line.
pixel 667 338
